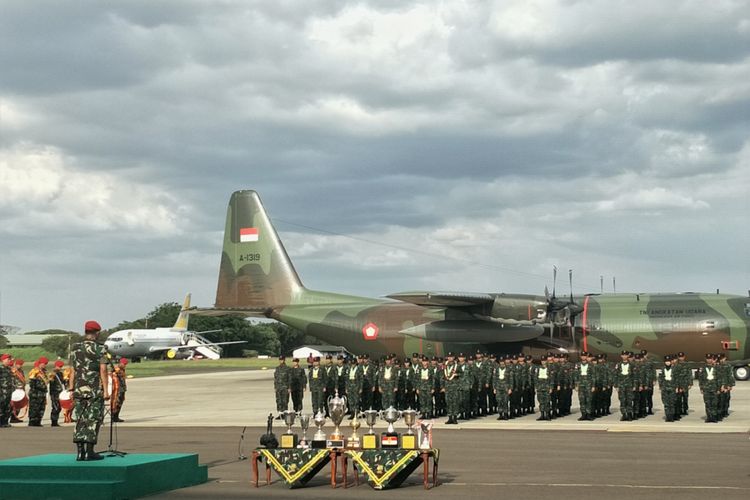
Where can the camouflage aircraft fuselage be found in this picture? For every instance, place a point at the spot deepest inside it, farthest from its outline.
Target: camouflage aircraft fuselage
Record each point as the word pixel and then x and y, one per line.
pixel 257 278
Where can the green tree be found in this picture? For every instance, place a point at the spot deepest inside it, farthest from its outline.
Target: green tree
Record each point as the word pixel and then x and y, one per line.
pixel 60 344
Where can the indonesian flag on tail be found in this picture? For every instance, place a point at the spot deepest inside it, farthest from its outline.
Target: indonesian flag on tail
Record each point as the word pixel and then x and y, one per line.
pixel 248 234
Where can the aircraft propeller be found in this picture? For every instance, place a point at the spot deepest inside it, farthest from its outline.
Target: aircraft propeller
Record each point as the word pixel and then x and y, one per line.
pixel 555 306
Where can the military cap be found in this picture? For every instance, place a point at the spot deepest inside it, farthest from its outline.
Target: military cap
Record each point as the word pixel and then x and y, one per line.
pixel 668 357
pixel 543 358
pixel 414 355
pixel 624 353
pixel 450 354
pixel 709 355
pixel 328 356
pixel 407 360
pixel 529 357
pixel 295 360
pixel 434 358
pixel 681 354
pixel 282 357
pixel 638 356
pixel 461 355
pixel 123 361
pixel 493 356
pixel 585 353
pixel 644 352
pixel 425 358
pixel 316 358
pixel 340 356
pixel 514 356
pixel 365 356
pixel 602 356
pixel 4 357
pixel 91 326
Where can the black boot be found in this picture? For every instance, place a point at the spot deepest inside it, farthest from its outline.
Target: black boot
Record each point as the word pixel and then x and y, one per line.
pixel 81 455
pixel 91 454
pixel 543 416
pixel 582 417
pixel 55 424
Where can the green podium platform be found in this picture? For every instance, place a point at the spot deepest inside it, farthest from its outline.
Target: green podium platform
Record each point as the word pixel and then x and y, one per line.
pixel 60 477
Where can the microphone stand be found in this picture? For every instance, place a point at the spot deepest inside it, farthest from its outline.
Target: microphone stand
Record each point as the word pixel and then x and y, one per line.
pixel 111 451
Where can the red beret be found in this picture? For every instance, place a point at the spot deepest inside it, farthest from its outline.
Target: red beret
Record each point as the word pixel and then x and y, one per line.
pixel 59 363
pixel 4 357
pixel 19 362
pixel 43 360
pixel 92 326
pixel 123 361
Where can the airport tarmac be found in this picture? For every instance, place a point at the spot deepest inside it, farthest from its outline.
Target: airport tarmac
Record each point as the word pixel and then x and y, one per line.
pixel 484 458
pixel 246 397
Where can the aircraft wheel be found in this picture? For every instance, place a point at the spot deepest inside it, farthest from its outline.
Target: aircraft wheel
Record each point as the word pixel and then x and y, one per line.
pixel 742 372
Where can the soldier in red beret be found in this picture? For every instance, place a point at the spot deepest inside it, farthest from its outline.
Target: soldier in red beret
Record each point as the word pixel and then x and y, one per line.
pixel 38 380
pixel 90 390
pixel 6 389
pixel 19 382
pixel 119 387
pixel 56 386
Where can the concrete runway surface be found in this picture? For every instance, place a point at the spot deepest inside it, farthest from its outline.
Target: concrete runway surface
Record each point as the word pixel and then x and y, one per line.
pixel 486 458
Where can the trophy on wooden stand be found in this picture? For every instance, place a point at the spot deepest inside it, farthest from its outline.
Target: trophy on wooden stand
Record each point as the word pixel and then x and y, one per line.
pixel 390 438
pixel 370 440
pixel 353 440
pixel 304 421
pixel 336 409
pixel 289 439
pixel 409 440
pixel 319 438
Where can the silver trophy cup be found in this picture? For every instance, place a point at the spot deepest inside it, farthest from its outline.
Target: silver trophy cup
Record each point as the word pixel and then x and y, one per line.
pixel 337 408
pixel 390 415
pixel 289 417
pixel 371 418
pixel 410 418
pixel 319 421
pixel 304 421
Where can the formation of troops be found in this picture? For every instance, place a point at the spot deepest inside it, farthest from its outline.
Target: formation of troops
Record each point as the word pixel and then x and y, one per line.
pixel 510 386
pixel 45 384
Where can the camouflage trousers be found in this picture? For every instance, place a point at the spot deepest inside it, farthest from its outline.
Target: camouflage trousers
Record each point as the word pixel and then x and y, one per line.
pixel 502 399
pixel 453 399
pixel 626 396
pixel 544 396
pixel 90 417
pixel 425 402
pixel 388 397
pixel 297 396
pixel 669 400
pixel 5 411
pixel 318 400
pixel 37 405
pixel 586 397
pixel 711 401
pixel 282 399
pixel 353 398
pixel 54 399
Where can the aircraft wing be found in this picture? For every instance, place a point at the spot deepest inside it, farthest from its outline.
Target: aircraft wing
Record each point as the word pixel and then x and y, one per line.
pixel 443 299
pixel 178 347
pixel 256 312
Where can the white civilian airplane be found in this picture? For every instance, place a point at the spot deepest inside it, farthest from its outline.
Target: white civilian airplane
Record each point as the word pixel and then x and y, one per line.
pixel 174 342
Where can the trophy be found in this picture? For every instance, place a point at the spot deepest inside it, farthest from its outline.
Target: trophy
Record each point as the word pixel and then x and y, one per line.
pixel 409 440
pixel 370 440
pixel 353 440
pixel 319 439
pixel 425 434
pixel 336 409
pixel 304 421
pixel 389 439
pixel 289 439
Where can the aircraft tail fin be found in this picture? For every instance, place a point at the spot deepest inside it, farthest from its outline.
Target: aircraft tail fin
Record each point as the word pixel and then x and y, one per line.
pixel 182 319
pixel 255 270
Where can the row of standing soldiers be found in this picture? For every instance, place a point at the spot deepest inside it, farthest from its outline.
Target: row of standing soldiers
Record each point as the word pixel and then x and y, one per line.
pixel 465 387
pixel 43 381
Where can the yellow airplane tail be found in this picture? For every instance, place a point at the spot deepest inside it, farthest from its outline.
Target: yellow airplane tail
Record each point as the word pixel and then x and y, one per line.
pixel 182 319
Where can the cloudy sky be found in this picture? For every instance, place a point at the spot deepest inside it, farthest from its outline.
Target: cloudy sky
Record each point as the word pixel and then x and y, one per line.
pixel 398 145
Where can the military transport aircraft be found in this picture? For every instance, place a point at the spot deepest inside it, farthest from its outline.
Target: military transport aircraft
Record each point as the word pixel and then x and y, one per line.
pixel 257 278
pixel 174 342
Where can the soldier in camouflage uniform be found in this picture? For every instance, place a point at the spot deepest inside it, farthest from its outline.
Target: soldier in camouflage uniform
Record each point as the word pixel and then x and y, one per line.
pixel 584 379
pixel 90 390
pixel 473 387
pixel 684 382
pixel 19 382
pixel 122 388
pixel 38 380
pixel 626 383
pixel 529 396
pixel 491 398
pixel 388 383
pixel 354 387
pixel 282 384
pixel 566 384
pixel 368 382
pixel 669 389
pixel 609 382
pixel 650 381
pixel 599 369
pixel 710 385
pixel 297 384
pixel 502 387
pixel 726 377
pixel 56 386
pixel 542 382
pixel 332 382
pixel 451 377
pixel 425 388
pixel 439 400
pixel 465 384
pixel 317 378
pixel 341 372
pixel 6 389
